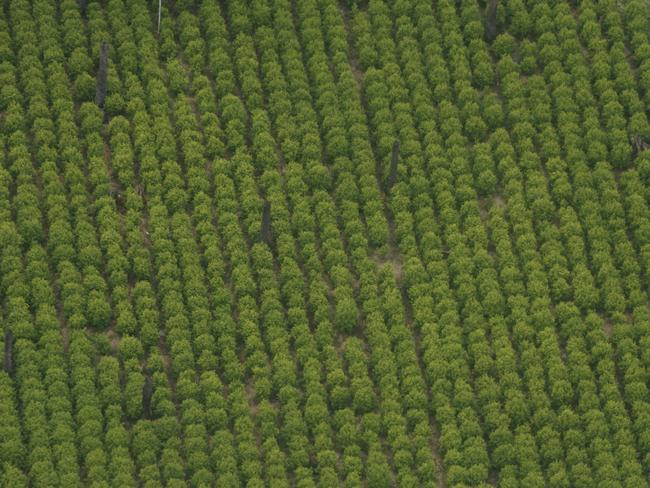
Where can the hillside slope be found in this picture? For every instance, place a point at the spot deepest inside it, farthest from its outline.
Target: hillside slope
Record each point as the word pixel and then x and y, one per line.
pixel 321 243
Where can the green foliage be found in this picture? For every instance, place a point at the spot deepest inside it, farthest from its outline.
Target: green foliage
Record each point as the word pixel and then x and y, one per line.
pixel 485 319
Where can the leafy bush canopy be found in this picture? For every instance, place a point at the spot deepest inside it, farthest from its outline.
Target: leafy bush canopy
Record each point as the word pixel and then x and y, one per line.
pixel 319 243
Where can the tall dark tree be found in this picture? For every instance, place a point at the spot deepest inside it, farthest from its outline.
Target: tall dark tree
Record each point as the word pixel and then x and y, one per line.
pixel 9 344
pixel 639 144
pixel 265 232
pixel 147 393
pixel 491 20
pixel 114 192
pixel 102 75
pixel 392 177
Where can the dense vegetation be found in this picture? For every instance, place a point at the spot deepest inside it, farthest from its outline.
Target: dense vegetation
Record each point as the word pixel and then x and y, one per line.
pixel 210 277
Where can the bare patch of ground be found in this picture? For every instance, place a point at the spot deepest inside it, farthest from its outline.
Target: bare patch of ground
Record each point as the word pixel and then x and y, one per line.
pixel 251 393
pixel 114 339
pixel 165 357
pixel 608 327
pixel 393 259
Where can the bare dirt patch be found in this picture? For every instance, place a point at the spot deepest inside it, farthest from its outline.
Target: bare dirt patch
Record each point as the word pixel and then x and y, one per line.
pixel 114 339
pixel 164 356
pixel 608 327
pixel 251 393
pixel 393 260
pixel 65 334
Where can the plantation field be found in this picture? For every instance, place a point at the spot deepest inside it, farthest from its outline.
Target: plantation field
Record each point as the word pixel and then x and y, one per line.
pixel 321 243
